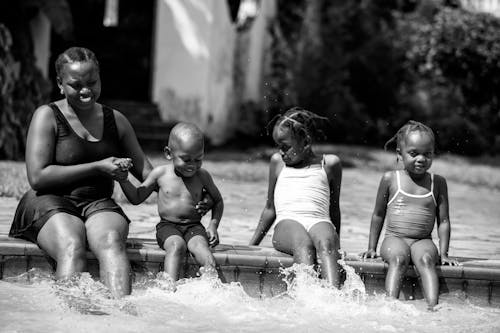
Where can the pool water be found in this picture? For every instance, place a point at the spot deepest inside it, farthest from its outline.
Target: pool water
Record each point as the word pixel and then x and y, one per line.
pixel 205 304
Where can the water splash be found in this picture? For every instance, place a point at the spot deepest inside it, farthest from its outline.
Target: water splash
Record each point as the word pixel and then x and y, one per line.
pixel 162 281
pixel 82 294
pixel 205 303
pixel 353 286
pixel 304 279
pixel 33 275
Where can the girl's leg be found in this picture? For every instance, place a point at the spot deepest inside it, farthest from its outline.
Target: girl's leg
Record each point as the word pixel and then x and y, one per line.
pixel 291 237
pixel 198 246
pixel 175 255
pixel 107 235
pixel 396 252
pixel 424 255
pixel 63 238
pixel 326 241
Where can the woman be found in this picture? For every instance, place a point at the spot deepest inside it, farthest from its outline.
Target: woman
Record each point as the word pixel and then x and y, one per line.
pixel 73 151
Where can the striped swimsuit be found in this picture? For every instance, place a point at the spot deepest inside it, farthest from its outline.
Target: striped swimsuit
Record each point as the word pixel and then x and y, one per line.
pixel 411 215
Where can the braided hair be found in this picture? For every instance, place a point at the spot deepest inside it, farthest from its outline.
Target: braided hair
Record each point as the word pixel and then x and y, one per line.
pixel 75 54
pixel 409 127
pixel 301 122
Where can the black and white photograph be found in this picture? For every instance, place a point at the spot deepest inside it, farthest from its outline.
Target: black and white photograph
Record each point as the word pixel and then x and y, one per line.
pixel 250 166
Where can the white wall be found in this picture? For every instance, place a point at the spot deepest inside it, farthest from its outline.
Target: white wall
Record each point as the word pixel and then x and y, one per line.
pixel 193 64
pixel 255 56
pixel 486 6
pixel 40 31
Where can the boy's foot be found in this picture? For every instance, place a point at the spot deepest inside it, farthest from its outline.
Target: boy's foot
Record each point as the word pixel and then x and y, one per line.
pixel 432 308
pixel 165 282
pixel 208 272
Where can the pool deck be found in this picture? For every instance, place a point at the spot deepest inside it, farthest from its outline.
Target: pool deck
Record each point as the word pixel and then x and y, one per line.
pixel 257 268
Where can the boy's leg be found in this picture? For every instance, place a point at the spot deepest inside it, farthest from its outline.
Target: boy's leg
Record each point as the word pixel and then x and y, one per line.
pixel 291 237
pixel 424 255
pixel 396 253
pixel 175 255
pixel 198 246
pixel 326 241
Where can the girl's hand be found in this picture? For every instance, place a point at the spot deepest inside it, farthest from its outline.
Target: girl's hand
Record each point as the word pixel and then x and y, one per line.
pixel 213 236
pixel 445 260
pixel 368 254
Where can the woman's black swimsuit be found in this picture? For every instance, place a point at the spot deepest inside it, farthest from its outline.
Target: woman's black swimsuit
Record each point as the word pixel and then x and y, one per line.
pixel 80 198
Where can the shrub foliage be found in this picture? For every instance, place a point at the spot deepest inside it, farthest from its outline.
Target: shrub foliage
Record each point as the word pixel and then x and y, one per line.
pixel 372 65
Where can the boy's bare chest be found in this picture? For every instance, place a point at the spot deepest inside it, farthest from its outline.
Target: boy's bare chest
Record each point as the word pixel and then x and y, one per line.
pixel 183 189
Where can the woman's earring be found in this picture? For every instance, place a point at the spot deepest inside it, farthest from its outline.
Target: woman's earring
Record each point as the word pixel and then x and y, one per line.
pixel 61 91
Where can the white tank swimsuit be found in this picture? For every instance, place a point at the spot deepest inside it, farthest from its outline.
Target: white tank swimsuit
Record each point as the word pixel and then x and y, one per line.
pixel 303 195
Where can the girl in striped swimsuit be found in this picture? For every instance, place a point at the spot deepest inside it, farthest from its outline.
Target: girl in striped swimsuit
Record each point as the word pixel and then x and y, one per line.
pixel 411 201
pixel 303 196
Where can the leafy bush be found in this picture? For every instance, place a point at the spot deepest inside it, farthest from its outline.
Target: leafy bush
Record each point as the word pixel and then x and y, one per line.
pixel 377 64
pixel 456 56
pixel 22 85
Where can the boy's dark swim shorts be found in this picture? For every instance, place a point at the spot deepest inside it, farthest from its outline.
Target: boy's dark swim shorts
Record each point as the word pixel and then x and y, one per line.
pixel 165 229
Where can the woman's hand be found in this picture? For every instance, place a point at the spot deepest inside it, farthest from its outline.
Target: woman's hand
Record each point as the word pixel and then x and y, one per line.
pixel 115 167
pixel 370 254
pixel 124 163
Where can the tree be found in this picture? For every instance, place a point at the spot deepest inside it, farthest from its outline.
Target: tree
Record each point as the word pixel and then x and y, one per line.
pixel 22 85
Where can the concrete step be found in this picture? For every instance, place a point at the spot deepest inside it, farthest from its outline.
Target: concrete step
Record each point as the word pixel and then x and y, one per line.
pixel 152 132
pixel 258 269
pixel 136 111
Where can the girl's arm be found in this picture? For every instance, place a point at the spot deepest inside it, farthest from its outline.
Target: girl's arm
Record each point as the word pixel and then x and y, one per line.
pixel 378 215
pixel 334 172
pixel 217 208
pixel 136 195
pixel 141 167
pixel 40 146
pixel 269 213
pixel 443 220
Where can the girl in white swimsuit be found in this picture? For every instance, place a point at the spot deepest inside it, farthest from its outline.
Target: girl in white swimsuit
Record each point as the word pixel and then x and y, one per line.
pixel 303 196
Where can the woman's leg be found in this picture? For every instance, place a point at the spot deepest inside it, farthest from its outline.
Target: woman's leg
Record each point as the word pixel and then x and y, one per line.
pixel 63 238
pixel 107 235
pixel 326 241
pixel 424 255
pixel 175 255
pixel 396 253
pixel 291 237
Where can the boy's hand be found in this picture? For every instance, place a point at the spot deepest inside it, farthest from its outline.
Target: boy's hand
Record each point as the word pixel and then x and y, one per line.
pixel 205 204
pixel 445 260
pixel 368 254
pixel 111 166
pixel 123 163
pixel 213 236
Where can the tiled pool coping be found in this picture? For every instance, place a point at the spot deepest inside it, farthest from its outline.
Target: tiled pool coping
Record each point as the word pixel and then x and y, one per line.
pixel 257 269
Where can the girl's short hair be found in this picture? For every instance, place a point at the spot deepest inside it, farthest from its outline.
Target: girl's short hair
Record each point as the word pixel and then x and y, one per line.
pixel 75 54
pixel 301 122
pixel 409 127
